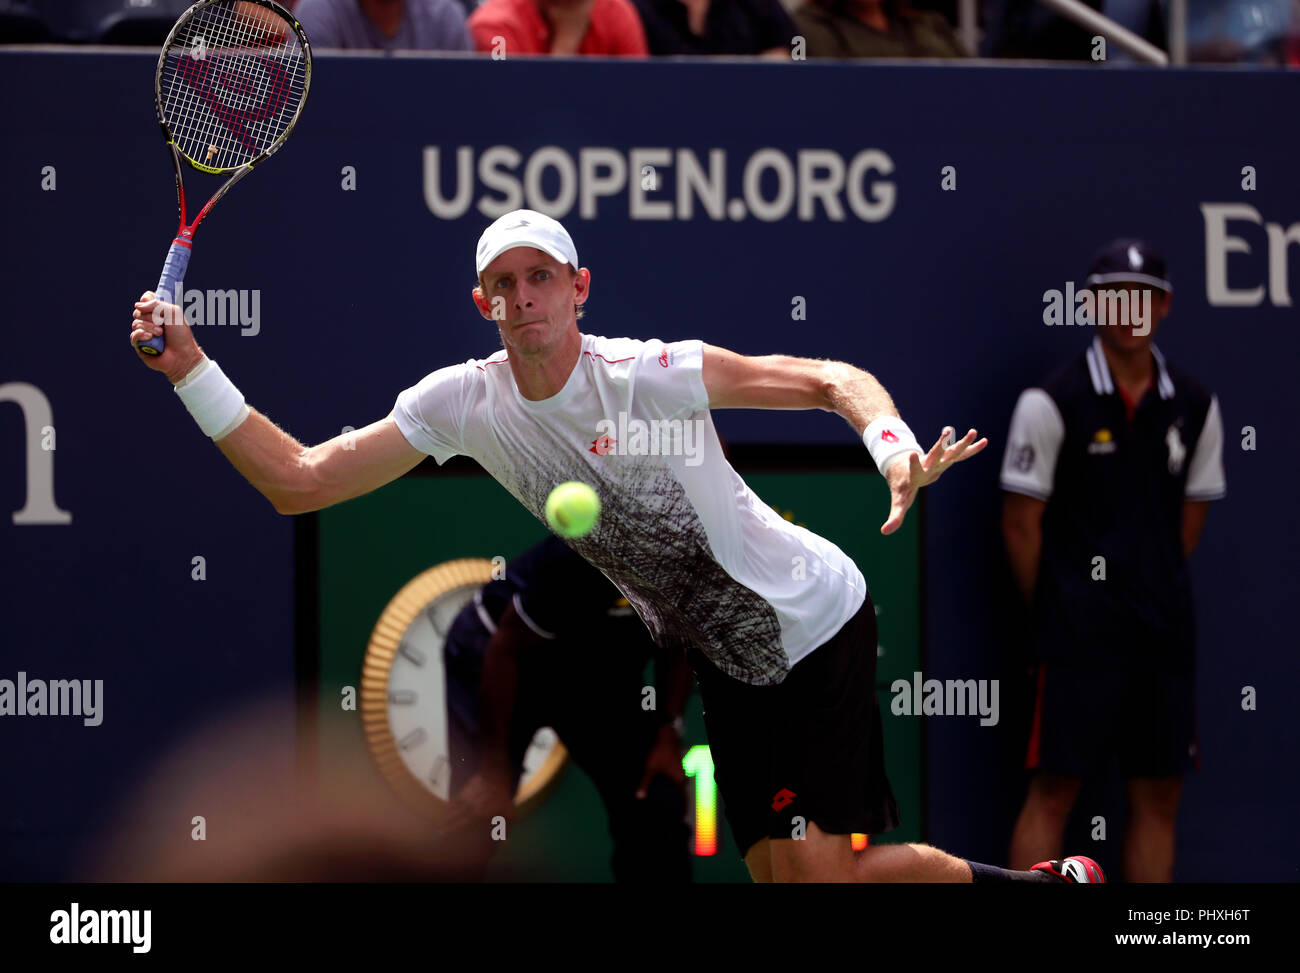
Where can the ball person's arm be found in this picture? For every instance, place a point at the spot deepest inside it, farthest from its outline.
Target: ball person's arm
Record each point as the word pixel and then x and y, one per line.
pixel 488 794
pixel 500 686
pixel 673 682
pixel 1194 514
pixel 1022 533
pixel 783 382
pixel 295 478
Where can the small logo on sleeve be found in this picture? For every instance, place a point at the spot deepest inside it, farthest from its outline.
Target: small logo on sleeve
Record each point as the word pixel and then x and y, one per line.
pixel 663 358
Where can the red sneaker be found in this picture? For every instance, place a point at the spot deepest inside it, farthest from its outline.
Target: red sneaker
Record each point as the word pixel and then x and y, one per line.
pixel 1077 870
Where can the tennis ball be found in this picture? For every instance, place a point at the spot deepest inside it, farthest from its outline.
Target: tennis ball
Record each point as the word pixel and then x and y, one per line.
pixel 572 509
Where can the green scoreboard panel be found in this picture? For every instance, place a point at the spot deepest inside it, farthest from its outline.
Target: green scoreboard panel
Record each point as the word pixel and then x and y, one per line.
pixel 368 548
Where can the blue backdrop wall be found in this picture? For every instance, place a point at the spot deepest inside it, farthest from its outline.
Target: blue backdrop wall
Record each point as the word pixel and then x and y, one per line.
pixel 709 200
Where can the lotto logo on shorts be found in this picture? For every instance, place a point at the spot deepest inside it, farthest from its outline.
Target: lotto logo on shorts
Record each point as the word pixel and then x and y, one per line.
pixel 783 798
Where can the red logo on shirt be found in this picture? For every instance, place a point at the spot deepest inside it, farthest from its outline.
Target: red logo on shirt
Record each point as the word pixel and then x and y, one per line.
pixel 603 446
pixel 663 358
pixel 783 797
pixel 888 437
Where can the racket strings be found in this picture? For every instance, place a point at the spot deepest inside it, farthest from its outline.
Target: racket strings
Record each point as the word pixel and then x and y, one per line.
pixel 232 82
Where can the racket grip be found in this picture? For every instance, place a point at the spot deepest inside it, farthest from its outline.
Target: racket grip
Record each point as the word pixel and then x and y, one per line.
pixel 178 258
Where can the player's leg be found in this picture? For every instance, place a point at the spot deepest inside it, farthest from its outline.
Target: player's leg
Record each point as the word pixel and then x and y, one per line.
pixel 828 760
pixel 828 771
pixel 822 857
pixel 759 860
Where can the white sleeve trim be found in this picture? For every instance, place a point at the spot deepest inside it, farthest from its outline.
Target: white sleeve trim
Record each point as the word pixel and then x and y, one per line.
pixel 1033 445
pixel 1205 479
pixel 1027 491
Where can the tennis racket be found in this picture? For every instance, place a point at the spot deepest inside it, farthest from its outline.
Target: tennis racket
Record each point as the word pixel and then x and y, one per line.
pixel 232 80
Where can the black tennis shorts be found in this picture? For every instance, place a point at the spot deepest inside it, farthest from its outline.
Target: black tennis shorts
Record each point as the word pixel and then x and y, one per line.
pixel 807 748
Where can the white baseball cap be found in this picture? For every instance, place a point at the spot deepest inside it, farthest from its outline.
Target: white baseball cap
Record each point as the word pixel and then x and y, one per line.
pixel 525 228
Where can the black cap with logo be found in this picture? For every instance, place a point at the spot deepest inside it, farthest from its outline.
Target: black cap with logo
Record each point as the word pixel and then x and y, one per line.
pixel 1129 261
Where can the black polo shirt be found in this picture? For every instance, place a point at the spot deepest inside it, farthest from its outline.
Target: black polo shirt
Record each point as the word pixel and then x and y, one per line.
pixel 581 617
pixel 731 27
pixel 562 598
pixel 1115 487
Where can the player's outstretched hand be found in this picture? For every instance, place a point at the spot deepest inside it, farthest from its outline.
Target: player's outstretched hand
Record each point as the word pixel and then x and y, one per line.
pixel 149 319
pixel 910 472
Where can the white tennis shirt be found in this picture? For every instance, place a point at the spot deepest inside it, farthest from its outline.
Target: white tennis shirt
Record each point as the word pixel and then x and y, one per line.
pixel 700 557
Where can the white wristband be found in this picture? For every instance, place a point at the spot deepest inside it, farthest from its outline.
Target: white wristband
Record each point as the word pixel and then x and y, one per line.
pixel 888 437
pixel 212 399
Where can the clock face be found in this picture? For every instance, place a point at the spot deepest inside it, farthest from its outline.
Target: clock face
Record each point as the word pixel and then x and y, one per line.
pixel 404 693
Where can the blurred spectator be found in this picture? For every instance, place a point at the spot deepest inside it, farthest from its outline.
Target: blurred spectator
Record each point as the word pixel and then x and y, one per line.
pixel 226 805
pixel 874 28
pixel 1110 467
pixel 1264 32
pixel 1226 31
pixel 509 27
pixel 387 25
pixel 717 27
pixel 93 21
pixel 21 24
pixel 1027 29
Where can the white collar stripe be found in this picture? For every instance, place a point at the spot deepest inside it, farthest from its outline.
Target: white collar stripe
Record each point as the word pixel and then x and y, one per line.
pixel 1101 382
pixel 1091 356
pixel 1100 371
pixel 1165 383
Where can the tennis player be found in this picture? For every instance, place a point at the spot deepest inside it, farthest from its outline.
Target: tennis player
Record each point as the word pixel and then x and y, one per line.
pixel 778 623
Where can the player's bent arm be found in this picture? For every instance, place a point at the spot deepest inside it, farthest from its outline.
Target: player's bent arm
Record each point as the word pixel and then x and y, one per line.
pixel 298 479
pixel 783 382
pixel 1022 532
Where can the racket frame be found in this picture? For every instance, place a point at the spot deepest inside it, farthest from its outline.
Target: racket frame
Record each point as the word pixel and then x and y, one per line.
pixel 178 256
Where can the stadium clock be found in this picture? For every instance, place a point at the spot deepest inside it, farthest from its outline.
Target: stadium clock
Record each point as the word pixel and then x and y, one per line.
pixel 404 695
